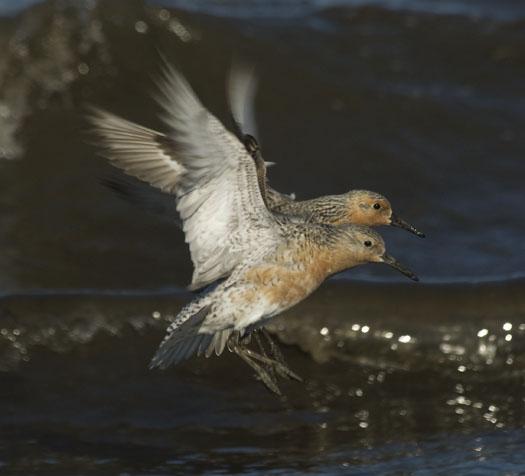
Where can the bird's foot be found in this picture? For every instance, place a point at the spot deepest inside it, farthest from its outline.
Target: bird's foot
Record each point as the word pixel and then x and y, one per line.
pixel 279 368
pixel 266 377
pixel 267 367
pixel 278 358
pixel 275 352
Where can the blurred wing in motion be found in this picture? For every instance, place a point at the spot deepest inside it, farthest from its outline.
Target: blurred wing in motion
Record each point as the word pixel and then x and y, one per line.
pixel 242 87
pixel 143 195
pixel 212 175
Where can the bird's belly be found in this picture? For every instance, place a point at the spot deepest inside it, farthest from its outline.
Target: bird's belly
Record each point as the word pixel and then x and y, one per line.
pixel 283 287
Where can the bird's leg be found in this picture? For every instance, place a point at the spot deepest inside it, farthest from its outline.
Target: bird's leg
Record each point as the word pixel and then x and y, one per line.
pixel 274 348
pixel 257 338
pixel 281 369
pixel 247 338
pixel 279 357
pixel 248 357
pixel 262 350
pixel 270 368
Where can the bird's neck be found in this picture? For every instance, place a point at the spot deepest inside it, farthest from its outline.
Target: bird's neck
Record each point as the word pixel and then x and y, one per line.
pixel 326 251
pixel 331 209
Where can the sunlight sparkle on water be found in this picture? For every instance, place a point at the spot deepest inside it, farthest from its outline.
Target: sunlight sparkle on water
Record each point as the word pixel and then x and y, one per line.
pixel 483 332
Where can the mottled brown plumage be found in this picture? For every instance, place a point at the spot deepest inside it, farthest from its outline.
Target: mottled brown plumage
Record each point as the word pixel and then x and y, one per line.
pixel 360 207
pixel 272 252
pixel 272 278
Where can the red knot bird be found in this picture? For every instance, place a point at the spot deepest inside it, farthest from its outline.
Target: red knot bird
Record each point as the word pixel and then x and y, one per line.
pixel 269 261
pixel 284 266
pixel 208 208
pixel 361 207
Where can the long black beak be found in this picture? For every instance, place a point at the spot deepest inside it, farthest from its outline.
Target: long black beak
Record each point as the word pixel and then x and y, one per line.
pixel 396 221
pixel 397 265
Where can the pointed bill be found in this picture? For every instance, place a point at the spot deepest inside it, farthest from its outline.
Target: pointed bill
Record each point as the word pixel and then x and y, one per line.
pixel 389 260
pixel 396 221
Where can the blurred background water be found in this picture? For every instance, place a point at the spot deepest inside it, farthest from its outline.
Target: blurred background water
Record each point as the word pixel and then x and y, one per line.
pixel 422 101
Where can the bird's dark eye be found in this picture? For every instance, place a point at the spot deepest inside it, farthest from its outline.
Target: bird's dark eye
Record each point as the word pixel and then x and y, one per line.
pixel 368 243
pixel 377 206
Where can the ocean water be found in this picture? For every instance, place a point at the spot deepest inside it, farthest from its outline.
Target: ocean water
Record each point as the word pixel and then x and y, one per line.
pixel 421 101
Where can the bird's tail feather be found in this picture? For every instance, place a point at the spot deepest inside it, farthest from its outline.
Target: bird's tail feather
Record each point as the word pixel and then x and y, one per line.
pixel 184 339
pixel 218 342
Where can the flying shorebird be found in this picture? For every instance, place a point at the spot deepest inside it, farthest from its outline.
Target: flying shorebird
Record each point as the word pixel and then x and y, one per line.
pixel 165 161
pixel 356 206
pixel 271 261
pixel 284 266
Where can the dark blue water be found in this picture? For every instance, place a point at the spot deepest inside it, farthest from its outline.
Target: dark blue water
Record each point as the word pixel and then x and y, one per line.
pixel 506 10
pixel 421 101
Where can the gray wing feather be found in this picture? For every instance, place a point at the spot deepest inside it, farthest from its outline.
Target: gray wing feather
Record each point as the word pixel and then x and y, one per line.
pixel 219 199
pixel 137 150
pixel 208 169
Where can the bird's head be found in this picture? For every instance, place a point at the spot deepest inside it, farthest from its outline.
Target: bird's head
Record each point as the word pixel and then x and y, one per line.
pixel 364 245
pixel 372 209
